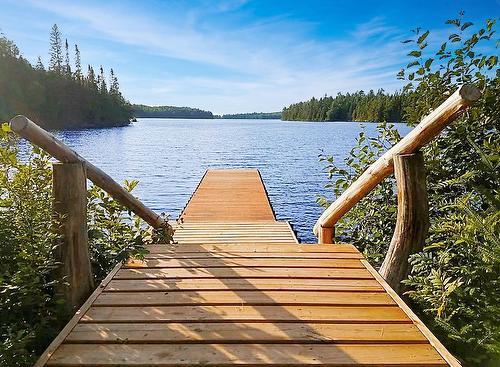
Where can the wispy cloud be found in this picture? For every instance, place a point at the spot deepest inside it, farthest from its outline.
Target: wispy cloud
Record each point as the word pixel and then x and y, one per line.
pixel 268 64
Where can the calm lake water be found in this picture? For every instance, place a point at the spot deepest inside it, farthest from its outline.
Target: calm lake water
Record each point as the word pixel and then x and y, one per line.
pixel 169 157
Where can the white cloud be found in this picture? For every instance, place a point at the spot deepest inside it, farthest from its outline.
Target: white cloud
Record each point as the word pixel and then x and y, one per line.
pixel 269 64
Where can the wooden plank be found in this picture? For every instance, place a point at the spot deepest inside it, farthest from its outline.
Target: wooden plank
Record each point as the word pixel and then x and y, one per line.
pixel 229 195
pixel 250 247
pixel 245 333
pixel 247 354
pixel 292 313
pixel 318 285
pixel 59 339
pixel 256 255
pixel 448 357
pixel 243 297
pixel 309 273
pixel 235 262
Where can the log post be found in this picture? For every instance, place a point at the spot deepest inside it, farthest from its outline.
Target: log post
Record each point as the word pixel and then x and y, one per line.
pixel 326 235
pixel 70 211
pixel 412 221
pixel 424 132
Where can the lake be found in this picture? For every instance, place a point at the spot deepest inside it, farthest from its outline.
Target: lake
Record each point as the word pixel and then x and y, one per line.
pixel 169 157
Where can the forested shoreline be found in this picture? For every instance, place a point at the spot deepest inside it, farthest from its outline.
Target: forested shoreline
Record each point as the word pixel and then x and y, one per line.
pixel 252 116
pixel 60 96
pixel 140 110
pixel 358 106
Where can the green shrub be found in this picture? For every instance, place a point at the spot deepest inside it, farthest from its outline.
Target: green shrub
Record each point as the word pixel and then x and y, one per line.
pixel 454 284
pixel 31 313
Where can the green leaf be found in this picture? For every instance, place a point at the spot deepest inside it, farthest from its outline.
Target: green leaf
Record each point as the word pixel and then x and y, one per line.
pixel 422 37
pixel 415 53
pixel 413 63
pixel 466 25
pixel 6 127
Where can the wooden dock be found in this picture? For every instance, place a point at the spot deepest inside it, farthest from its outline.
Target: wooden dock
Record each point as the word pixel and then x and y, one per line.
pixel 237 288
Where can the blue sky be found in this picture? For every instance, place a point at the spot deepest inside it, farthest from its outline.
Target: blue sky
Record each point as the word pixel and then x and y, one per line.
pixel 236 55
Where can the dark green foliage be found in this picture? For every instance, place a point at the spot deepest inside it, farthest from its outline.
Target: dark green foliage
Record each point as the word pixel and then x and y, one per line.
pixel 372 107
pixel 31 313
pixel 454 284
pixel 253 116
pixel 28 307
pixel 369 225
pixel 57 98
pixel 141 110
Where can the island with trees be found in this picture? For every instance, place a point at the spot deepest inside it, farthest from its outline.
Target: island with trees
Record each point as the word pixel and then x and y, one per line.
pixel 61 95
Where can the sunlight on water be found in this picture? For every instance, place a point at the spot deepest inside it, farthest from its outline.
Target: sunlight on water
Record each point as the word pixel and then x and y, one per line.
pixel 169 157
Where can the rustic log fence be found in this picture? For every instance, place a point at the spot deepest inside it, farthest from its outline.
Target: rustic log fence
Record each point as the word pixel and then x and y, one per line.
pixel 70 204
pixel 412 218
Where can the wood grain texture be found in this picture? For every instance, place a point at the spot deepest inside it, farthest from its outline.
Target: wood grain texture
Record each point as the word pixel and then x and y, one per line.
pixel 241 332
pixel 72 253
pixel 233 292
pixel 229 195
pixel 412 221
pixel 246 354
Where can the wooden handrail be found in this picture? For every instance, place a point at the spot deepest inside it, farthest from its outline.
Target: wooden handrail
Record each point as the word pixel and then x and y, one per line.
pixel 48 142
pixel 425 131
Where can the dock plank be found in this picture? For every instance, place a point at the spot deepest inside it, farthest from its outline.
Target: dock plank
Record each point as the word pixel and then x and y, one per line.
pixel 238 289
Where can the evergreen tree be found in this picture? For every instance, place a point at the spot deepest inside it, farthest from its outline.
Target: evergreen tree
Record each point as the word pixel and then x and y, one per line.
pixel 358 106
pixel 56 99
pixel 39 64
pixel 114 87
pixel 78 65
pixel 91 82
pixel 56 54
pixel 101 82
pixel 67 66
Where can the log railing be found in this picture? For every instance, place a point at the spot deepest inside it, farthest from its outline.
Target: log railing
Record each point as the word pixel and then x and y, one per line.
pixel 409 213
pixel 56 148
pixel 70 202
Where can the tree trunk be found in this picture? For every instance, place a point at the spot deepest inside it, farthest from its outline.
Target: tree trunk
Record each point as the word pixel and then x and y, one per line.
pixel 412 219
pixel 70 211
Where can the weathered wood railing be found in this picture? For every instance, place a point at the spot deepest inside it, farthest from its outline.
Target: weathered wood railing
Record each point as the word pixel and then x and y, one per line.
pixel 70 202
pixel 411 222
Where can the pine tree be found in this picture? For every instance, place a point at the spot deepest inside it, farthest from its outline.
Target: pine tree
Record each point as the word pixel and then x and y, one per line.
pixel 101 82
pixel 78 65
pixel 91 82
pixel 114 86
pixel 56 55
pixel 67 66
pixel 39 64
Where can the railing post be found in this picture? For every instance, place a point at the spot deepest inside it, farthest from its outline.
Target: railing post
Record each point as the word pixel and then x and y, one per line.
pixel 70 211
pixel 412 221
pixel 326 235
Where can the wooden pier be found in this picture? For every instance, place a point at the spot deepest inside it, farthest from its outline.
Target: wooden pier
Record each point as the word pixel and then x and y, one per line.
pixel 237 288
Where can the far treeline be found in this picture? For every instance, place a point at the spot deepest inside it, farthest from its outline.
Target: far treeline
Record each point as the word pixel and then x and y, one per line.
pixel 140 110
pixel 59 96
pixel 253 116
pixel 358 106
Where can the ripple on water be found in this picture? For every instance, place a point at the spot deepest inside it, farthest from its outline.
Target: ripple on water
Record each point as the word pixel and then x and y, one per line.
pixel 169 157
